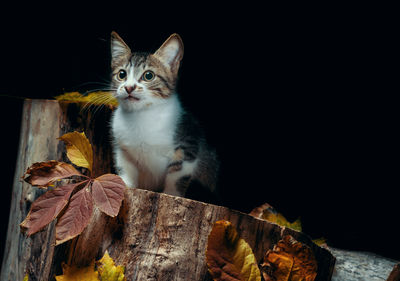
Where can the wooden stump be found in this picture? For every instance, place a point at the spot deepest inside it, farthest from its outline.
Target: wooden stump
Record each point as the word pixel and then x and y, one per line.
pixel 43 121
pixel 155 236
pixel 395 274
pixel 354 266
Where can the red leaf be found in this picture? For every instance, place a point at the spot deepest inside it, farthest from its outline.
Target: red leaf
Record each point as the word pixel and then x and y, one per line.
pixel 76 217
pixel 47 207
pixel 43 174
pixel 108 192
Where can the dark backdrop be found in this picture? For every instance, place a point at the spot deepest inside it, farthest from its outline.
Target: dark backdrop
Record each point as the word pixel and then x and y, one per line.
pixel 287 96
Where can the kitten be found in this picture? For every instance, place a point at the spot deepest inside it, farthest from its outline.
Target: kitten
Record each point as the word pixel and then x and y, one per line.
pixel 158 146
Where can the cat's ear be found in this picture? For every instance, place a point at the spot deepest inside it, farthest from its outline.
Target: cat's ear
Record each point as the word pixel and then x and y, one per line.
pixel 171 52
pixel 119 49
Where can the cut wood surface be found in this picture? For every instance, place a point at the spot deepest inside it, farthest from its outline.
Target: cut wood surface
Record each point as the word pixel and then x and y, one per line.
pixel 155 236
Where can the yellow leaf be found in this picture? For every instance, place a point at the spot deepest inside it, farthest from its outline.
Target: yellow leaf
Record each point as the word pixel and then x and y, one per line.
pixel 79 149
pixel 70 97
pixel 74 273
pixel 289 260
pixel 95 98
pixel 267 212
pixel 228 256
pixel 320 241
pixel 26 278
pixel 102 98
pixel 108 271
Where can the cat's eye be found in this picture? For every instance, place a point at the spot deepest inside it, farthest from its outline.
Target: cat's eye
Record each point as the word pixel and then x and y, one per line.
pixel 121 75
pixel 148 76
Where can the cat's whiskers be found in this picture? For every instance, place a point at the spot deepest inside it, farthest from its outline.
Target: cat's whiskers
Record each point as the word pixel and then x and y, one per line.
pixel 105 99
pixel 108 89
pixel 99 99
pixel 92 83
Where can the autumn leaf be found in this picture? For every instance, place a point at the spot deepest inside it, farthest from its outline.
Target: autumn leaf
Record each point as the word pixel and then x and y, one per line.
pixel 76 216
pixel 95 98
pixel 108 192
pixel 43 174
pixel 228 256
pixel 267 212
pixel 289 260
pixel 74 273
pixel 47 207
pixel 320 242
pixel 79 149
pixel 108 270
pixel 72 208
pixel 101 98
pixel 26 278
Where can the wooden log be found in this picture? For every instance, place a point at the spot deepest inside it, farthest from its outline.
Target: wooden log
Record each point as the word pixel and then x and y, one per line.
pixel 395 274
pixel 165 237
pixel 354 266
pixel 43 121
pixel 36 132
pixel 155 236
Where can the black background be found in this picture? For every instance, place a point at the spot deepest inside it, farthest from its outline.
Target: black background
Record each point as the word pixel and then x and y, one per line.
pixel 290 97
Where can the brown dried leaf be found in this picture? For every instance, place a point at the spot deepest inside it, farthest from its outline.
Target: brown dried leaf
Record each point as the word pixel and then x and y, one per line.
pixel 79 149
pixel 76 217
pixel 290 260
pixel 47 207
pixel 228 256
pixel 108 193
pixel 43 174
pixel 267 212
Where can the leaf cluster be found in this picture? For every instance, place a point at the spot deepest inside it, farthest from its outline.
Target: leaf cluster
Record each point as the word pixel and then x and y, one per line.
pixel 269 213
pixel 230 258
pixel 72 203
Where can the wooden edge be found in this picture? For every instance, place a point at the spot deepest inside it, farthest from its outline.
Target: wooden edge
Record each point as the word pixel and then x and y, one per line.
pixel 395 274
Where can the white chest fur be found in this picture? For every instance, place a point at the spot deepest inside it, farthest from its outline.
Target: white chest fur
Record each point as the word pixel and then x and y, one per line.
pixel 147 136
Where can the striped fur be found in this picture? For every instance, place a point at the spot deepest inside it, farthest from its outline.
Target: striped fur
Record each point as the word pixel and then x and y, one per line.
pixel 157 144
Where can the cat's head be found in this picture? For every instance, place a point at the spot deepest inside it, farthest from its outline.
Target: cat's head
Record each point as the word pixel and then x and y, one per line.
pixel 142 80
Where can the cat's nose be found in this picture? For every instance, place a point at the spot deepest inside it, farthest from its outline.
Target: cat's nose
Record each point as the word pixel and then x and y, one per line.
pixel 130 89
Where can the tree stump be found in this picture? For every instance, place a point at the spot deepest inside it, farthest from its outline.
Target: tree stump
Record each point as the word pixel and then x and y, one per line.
pixel 354 266
pixel 155 236
pixel 44 121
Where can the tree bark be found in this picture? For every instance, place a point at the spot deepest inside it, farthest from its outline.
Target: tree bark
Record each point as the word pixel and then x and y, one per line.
pixel 44 121
pixel 395 274
pixel 155 236
pixel 354 266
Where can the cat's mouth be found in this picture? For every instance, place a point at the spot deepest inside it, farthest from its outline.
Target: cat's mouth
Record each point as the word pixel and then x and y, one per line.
pixel 132 98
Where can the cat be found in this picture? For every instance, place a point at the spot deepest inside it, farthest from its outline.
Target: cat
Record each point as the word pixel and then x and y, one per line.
pixel 157 144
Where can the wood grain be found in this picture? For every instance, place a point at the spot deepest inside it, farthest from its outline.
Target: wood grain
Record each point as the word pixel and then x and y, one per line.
pixel 155 236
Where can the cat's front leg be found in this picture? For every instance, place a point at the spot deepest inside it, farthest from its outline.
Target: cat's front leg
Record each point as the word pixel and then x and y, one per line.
pixel 179 174
pixel 126 168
